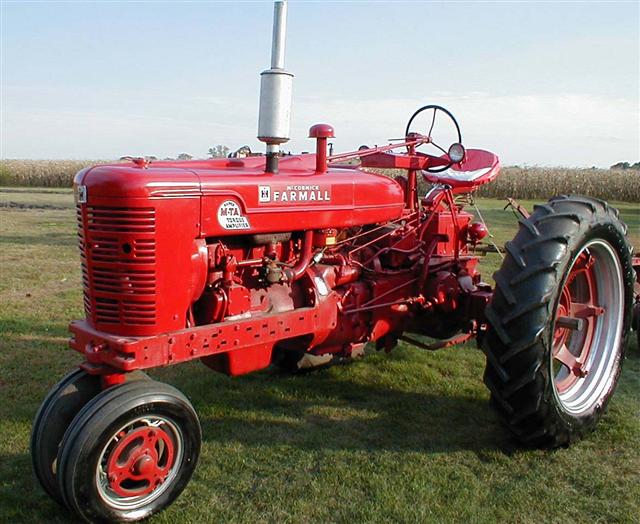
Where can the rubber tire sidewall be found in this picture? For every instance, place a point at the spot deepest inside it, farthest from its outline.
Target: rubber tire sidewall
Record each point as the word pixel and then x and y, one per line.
pixel 57 411
pixel 89 433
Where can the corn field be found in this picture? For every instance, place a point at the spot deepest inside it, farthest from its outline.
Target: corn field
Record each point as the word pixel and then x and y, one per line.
pixel 538 183
pixel 541 183
pixel 516 182
pixel 42 173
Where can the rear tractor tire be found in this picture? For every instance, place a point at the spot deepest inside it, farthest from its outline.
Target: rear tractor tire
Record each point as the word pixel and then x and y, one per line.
pixel 558 320
pixel 129 452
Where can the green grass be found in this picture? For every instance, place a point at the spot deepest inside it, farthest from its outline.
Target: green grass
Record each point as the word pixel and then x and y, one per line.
pixel 406 437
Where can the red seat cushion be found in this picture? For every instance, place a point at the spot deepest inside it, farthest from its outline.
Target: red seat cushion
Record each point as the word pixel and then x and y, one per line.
pixel 478 167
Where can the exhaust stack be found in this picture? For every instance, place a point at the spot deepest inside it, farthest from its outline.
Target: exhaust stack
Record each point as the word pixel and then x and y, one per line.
pixel 275 93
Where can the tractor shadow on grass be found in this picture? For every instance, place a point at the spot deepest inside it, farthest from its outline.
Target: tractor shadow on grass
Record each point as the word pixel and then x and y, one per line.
pixel 334 410
pixel 21 497
pixel 367 406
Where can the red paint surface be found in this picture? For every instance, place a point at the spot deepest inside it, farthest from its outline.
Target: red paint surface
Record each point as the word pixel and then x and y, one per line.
pixel 140 461
pixel 220 261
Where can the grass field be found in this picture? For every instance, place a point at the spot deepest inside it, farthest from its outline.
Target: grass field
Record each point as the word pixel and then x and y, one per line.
pixel 405 437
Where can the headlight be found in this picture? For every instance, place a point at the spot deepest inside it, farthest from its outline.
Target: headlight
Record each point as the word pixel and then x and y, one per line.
pixel 456 153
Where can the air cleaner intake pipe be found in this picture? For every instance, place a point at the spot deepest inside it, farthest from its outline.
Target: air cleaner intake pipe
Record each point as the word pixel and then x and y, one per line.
pixel 275 93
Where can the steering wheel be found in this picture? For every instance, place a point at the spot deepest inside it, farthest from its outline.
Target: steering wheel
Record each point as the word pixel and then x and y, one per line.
pixel 449 152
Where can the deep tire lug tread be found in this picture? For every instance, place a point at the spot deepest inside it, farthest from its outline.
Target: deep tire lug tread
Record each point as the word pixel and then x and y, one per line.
pixel 529 226
pixel 526 411
pixel 504 288
pixel 518 347
pixel 497 397
pixel 527 308
pixel 502 374
pixel 515 254
pixel 497 325
pixel 526 378
pixel 532 271
pixel 518 364
pixel 571 216
pixel 544 207
pixel 536 242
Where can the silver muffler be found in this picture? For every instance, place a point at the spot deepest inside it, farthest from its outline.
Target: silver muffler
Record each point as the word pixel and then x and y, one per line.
pixel 276 85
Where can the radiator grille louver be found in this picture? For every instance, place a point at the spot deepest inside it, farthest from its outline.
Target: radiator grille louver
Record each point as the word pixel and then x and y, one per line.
pixel 86 297
pixel 124 281
pixel 121 220
pixel 118 254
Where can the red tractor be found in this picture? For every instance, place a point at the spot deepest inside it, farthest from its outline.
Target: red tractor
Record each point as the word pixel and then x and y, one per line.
pixel 301 260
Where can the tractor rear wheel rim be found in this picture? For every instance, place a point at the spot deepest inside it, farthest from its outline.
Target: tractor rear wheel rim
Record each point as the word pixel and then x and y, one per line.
pixel 587 329
pixel 139 462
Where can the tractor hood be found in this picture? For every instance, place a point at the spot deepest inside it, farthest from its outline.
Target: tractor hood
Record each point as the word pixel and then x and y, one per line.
pixel 236 196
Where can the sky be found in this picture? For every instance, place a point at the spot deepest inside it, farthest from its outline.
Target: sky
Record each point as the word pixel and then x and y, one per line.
pixel 538 83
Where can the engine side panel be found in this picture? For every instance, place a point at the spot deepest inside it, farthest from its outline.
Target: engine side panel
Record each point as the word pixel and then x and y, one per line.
pixel 265 203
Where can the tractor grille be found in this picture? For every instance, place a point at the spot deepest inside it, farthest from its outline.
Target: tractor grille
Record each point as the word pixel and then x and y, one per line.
pixel 86 297
pixel 118 254
pixel 121 219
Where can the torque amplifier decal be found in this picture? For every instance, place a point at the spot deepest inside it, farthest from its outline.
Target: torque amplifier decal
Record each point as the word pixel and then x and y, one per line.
pixel 230 216
pixel 294 194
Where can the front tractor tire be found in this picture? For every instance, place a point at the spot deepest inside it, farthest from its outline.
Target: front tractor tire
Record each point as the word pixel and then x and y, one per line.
pixel 56 412
pixel 129 453
pixel 55 415
pixel 558 319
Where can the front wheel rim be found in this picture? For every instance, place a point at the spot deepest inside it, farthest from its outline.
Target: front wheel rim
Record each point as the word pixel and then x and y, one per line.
pixel 587 329
pixel 139 462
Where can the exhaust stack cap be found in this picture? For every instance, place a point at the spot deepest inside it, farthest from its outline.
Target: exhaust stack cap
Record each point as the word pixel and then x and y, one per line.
pixel 276 88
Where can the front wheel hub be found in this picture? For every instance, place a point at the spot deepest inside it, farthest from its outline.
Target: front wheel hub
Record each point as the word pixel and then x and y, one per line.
pixel 138 461
pixel 144 466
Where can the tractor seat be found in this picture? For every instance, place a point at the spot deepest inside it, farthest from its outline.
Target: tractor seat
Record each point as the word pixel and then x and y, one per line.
pixel 478 168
